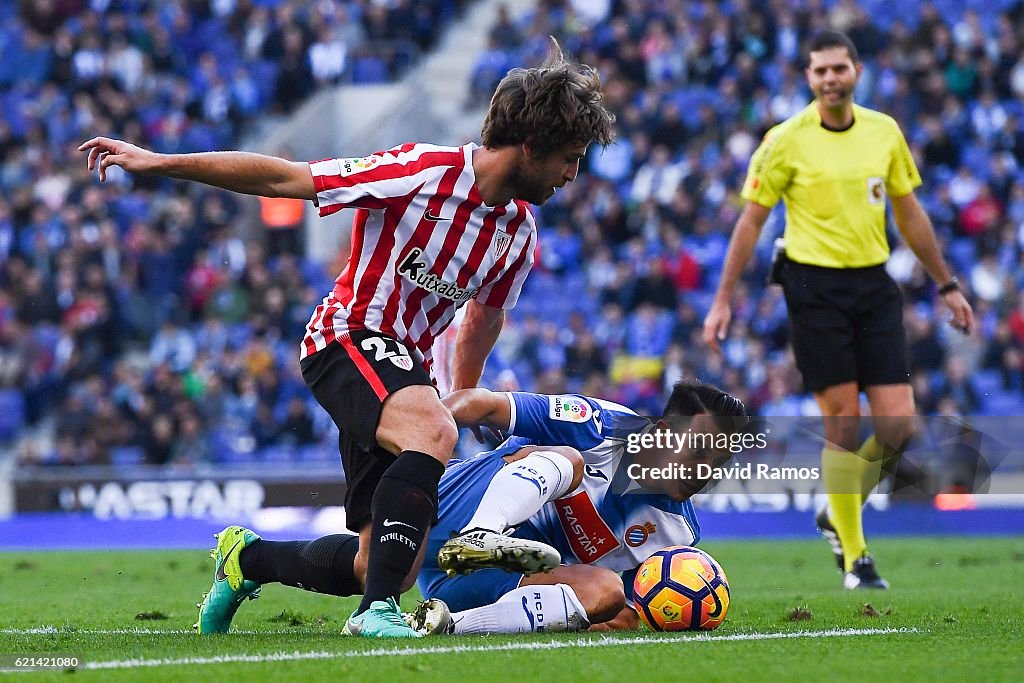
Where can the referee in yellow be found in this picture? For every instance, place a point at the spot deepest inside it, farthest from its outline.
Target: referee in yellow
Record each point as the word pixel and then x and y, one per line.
pixel 833 164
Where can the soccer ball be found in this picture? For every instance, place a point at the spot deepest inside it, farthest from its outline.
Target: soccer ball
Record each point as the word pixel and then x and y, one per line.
pixel 681 589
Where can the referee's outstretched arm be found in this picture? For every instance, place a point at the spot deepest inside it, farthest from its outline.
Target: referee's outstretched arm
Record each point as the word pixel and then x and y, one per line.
pixel 741 246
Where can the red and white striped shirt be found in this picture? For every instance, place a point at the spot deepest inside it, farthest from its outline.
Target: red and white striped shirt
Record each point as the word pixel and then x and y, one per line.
pixel 423 244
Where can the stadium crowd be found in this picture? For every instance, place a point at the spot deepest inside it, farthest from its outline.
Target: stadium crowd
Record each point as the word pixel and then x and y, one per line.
pixel 137 325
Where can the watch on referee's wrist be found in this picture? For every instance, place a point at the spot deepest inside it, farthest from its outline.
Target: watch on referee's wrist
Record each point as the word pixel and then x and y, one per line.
pixel 952 286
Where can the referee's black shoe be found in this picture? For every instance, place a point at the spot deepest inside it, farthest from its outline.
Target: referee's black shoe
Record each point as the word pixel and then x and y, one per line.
pixel 864 575
pixel 828 532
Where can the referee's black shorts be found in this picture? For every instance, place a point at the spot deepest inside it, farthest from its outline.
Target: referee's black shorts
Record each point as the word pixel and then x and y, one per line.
pixel 350 378
pixel 846 324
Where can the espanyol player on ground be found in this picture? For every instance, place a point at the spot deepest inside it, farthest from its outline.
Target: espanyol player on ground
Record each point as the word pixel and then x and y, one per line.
pixel 576 497
pixel 583 503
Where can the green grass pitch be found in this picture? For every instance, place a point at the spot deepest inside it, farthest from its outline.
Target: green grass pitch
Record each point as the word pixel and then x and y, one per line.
pixel 956 612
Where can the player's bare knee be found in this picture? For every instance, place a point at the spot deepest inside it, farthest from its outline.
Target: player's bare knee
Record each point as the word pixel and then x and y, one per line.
pixel 613 592
pixel 600 592
pixel 433 427
pixel 413 418
pixel 609 597
pixel 440 434
pixel 429 431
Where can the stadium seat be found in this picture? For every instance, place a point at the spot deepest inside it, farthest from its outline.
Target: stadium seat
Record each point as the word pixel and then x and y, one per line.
pixel 963 252
pixel 988 382
pixel 1003 403
pixel 264 73
pixel 369 70
pixel 276 453
pixel 316 453
pixel 701 300
pixel 12 412
pixel 978 159
pixel 231 457
pixel 315 273
pixel 127 456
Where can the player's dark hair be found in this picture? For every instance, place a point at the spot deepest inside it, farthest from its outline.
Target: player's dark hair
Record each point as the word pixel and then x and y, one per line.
pixel 729 413
pixel 556 104
pixel 691 398
pixel 828 39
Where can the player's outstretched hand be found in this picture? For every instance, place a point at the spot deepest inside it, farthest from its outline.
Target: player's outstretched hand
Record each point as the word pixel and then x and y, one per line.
pixel 961 315
pixel 716 324
pixel 482 432
pixel 105 152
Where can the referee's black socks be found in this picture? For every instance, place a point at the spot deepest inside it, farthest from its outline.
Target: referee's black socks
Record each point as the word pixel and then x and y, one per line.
pixel 403 509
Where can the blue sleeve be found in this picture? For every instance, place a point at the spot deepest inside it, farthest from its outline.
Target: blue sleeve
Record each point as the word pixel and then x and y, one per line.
pixel 562 420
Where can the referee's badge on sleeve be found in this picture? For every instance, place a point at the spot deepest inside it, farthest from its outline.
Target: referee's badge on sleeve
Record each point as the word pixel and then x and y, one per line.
pixel 876 190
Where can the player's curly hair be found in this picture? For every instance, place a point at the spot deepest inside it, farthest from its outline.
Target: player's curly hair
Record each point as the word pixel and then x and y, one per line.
pixel 556 104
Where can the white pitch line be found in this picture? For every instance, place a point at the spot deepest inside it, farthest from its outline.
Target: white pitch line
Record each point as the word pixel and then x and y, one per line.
pixel 605 641
pixel 136 631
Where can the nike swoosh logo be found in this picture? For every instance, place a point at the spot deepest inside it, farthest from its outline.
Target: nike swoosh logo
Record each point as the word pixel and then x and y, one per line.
pixel 221 576
pixel 717 611
pixel 388 522
pixel 431 217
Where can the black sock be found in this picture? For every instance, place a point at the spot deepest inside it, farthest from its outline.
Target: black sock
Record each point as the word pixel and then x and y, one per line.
pixel 324 565
pixel 403 508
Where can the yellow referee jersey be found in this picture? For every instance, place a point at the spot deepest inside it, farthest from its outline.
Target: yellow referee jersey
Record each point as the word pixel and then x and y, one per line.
pixel 834 185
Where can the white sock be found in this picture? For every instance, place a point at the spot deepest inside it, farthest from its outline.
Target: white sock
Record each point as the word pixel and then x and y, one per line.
pixel 520 489
pixel 548 609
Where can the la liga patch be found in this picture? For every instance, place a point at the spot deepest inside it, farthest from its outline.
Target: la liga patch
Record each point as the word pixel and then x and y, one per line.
pixel 569 409
pixel 352 165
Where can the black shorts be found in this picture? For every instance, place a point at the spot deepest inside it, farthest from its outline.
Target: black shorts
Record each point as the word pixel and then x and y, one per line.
pixel 847 325
pixel 350 378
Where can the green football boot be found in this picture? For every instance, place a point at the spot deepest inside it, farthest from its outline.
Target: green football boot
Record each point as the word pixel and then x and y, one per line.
pixel 229 586
pixel 382 620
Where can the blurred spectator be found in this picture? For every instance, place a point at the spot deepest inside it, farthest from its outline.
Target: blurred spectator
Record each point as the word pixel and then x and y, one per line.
pixel 956 384
pixel 988 279
pixel 657 179
pixel 297 428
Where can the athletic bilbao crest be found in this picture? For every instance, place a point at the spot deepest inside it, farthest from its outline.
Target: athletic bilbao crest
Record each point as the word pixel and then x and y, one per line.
pixel 502 240
pixel 399 356
pixel 402 362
